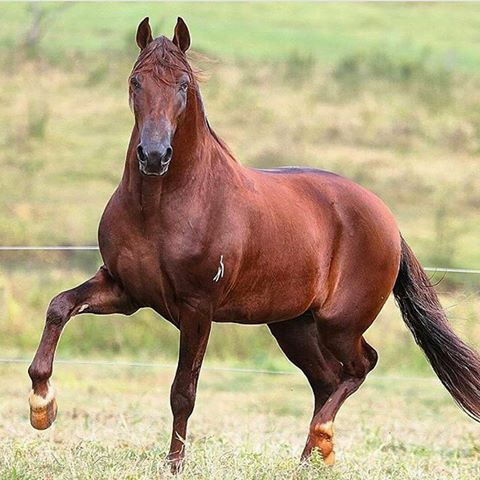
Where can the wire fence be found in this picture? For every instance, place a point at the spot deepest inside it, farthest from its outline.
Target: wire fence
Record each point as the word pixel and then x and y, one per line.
pixel 60 248
pixel 208 368
pixel 155 365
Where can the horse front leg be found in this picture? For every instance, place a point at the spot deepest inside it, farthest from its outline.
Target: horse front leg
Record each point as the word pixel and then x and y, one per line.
pixel 194 333
pixel 101 295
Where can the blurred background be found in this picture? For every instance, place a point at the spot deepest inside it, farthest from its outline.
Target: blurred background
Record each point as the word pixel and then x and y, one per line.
pixel 385 94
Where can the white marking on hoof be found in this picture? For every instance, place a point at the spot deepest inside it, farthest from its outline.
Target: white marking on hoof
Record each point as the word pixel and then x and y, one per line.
pixel 83 307
pixel 220 271
pixel 38 402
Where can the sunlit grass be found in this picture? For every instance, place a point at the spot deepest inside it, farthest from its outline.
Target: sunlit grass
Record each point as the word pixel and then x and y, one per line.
pixel 114 423
pixel 384 94
pixel 70 138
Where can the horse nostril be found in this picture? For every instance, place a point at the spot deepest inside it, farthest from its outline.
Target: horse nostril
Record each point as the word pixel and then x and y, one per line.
pixel 141 154
pixel 168 154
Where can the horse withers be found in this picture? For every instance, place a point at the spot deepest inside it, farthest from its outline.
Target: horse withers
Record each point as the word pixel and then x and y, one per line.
pixel 199 238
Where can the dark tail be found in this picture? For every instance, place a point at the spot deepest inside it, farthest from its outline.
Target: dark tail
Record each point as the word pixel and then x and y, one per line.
pixel 455 363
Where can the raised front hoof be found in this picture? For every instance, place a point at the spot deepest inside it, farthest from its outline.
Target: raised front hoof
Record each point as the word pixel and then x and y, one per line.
pixel 43 410
pixel 321 439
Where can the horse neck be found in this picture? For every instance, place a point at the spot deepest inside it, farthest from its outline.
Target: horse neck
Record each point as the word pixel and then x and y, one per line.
pixel 197 162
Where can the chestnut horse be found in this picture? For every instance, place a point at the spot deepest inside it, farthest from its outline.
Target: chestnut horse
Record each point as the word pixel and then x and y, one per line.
pixel 197 237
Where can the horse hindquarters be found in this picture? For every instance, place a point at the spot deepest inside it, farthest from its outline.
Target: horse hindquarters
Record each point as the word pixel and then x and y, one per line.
pixel 362 274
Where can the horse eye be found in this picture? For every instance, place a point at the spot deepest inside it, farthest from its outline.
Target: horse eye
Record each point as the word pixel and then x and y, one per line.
pixel 135 83
pixel 184 86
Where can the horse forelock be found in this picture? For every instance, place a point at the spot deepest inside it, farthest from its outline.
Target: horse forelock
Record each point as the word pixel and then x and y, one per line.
pixel 160 57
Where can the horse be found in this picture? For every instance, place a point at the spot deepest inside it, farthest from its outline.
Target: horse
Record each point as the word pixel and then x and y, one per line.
pixel 194 235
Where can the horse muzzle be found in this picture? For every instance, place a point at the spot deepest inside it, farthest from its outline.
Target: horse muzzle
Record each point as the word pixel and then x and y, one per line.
pixel 154 162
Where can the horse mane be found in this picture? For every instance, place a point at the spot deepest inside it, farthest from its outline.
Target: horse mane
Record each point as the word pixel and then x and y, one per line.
pixel 162 54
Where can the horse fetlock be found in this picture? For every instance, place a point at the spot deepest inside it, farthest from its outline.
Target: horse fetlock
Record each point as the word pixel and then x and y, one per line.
pixel 322 438
pixel 39 376
pixel 176 465
pixel 176 461
pixel 43 408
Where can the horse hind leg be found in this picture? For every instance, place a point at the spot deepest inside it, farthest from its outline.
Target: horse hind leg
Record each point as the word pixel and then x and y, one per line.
pixel 299 340
pixel 358 359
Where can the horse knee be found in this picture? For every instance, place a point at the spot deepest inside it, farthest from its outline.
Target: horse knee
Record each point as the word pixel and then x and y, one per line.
pixel 327 383
pixel 358 358
pixel 182 403
pixel 59 310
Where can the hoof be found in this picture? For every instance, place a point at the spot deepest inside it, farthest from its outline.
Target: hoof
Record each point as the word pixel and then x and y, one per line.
pixel 323 435
pixel 330 458
pixel 321 438
pixel 176 464
pixel 43 410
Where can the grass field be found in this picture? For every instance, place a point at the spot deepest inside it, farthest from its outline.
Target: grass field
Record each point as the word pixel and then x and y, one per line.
pixel 342 87
pixel 386 94
pixel 145 336
pixel 114 423
pixel 252 31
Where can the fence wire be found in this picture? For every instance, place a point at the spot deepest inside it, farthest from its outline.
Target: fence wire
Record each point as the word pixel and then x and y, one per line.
pixel 135 364
pixel 60 248
pixel 172 366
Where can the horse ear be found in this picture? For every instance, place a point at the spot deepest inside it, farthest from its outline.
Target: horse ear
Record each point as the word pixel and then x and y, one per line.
pixel 144 34
pixel 181 35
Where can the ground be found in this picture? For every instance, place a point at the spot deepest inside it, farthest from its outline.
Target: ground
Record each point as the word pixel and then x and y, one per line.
pixel 114 422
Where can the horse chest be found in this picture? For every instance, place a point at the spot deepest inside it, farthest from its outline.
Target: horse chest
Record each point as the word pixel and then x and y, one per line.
pixel 135 266
pixel 155 270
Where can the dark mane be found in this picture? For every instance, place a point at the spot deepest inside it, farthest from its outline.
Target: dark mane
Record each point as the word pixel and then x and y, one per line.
pixel 162 54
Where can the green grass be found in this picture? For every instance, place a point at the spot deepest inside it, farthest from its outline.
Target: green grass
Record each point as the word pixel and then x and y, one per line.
pixel 386 94
pixel 397 120
pixel 348 89
pixel 114 423
pixel 253 31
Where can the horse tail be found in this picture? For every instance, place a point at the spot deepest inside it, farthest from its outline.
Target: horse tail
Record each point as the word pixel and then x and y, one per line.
pixel 455 363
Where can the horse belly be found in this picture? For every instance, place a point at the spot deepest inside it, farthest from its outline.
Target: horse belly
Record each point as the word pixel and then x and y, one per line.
pixel 287 291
